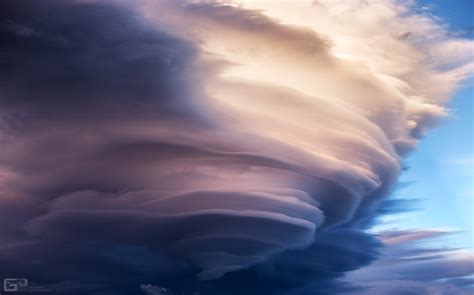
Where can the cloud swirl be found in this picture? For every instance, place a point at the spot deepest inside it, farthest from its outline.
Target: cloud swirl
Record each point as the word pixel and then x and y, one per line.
pixel 197 144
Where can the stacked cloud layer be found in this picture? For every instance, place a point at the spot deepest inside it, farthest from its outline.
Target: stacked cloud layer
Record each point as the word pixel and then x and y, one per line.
pixel 200 145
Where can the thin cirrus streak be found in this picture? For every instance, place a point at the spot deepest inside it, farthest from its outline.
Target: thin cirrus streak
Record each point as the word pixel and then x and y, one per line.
pixel 198 144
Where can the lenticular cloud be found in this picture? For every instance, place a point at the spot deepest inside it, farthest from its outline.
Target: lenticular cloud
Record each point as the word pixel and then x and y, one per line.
pixel 197 145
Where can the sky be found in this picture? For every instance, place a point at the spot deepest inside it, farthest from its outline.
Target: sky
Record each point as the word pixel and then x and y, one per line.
pixel 236 147
pixel 441 173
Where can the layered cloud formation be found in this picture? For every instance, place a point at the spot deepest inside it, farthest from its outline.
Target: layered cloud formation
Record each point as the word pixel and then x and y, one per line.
pixel 201 146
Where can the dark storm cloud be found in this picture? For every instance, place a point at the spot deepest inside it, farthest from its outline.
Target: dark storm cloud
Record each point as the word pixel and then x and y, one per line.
pixel 72 75
pixel 104 146
pixel 75 60
pixel 129 165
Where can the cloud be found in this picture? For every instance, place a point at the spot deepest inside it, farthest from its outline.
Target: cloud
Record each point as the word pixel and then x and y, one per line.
pixel 197 145
pixel 154 290
pixel 404 269
pixel 463 161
